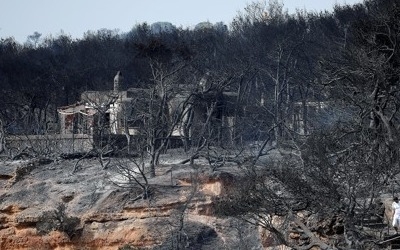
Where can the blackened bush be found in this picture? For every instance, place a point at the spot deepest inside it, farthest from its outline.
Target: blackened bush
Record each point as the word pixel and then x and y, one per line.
pixel 57 220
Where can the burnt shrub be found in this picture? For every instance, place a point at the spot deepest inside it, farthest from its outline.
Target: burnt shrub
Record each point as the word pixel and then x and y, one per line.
pixel 58 220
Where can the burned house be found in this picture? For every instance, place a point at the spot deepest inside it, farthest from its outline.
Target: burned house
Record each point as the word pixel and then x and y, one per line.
pixel 94 109
pixel 122 116
pixel 309 116
pixel 124 113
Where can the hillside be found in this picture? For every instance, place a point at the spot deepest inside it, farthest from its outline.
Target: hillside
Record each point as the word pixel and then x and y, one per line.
pixel 101 215
pixel 76 204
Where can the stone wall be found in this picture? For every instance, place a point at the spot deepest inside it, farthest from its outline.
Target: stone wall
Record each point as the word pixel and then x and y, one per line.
pixel 47 144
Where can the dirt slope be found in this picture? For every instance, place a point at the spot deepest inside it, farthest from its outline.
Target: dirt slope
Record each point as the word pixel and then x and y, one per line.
pixel 43 205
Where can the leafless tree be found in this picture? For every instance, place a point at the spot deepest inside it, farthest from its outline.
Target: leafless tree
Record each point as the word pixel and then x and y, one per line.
pixel 100 125
pixel 131 173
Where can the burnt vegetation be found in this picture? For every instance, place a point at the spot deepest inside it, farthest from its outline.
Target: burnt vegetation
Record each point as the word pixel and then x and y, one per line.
pixel 320 88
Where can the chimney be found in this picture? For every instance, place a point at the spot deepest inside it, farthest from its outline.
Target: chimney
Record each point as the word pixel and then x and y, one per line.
pixel 117 81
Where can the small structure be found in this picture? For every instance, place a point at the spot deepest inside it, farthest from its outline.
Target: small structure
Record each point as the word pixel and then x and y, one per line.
pixel 117 115
pixel 117 112
pixel 305 116
pixel 97 110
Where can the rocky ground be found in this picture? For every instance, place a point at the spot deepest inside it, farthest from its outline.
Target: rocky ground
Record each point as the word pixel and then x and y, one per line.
pixel 46 205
